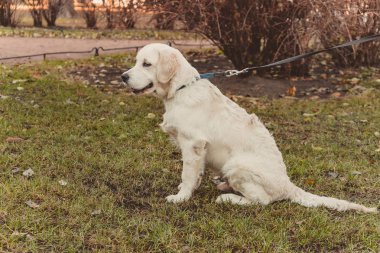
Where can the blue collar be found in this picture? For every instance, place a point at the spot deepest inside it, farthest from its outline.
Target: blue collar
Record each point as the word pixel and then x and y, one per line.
pixel 206 75
pixel 196 79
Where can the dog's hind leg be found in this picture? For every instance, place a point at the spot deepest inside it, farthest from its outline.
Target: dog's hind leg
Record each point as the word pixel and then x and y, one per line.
pixel 247 183
pixel 252 194
pixel 233 199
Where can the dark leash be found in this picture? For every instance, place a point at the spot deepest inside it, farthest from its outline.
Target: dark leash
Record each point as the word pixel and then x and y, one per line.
pixel 229 73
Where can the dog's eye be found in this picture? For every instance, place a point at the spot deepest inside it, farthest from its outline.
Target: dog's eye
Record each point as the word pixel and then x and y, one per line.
pixel 145 64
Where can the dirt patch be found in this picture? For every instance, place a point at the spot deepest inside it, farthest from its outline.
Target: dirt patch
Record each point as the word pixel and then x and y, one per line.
pixel 272 86
pixel 263 87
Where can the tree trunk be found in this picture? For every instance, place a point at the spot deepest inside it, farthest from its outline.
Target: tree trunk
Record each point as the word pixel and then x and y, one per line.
pixel 109 18
pixel 37 18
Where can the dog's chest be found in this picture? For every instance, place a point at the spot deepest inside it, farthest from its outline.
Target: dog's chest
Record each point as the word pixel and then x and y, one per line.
pixel 216 156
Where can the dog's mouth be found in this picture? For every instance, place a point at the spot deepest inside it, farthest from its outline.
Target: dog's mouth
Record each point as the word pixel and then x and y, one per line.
pixel 139 91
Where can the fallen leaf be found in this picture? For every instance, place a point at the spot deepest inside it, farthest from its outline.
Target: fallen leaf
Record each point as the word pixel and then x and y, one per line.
pixel 20 234
pixel 343 114
pixel 36 75
pixel 3 97
pixel 19 81
pixel 332 174
pixel 123 136
pixel 29 237
pixel 20 88
pixel 62 182
pixel 69 102
pixel 14 139
pixel 357 89
pixel 316 148
pixel 96 212
pixel 289 97
pixel 354 80
pixel 309 114
pixel 292 91
pixel 121 103
pixel 310 181
pixel 32 204
pixel 15 170
pixel 28 173
pixel 186 248
pixel 335 95
pixel 151 115
pixel 314 98
pixel 377 134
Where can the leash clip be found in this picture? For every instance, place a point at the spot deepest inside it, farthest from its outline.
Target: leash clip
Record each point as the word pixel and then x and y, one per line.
pixel 234 72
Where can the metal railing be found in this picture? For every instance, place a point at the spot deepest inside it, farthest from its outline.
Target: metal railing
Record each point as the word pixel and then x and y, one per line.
pixel 96 50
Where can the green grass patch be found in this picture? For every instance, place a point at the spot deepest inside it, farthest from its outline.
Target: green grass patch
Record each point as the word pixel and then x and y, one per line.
pixel 119 167
pixel 77 33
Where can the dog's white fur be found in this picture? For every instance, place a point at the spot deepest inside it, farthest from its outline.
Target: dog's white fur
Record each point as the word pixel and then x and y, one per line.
pixel 213 131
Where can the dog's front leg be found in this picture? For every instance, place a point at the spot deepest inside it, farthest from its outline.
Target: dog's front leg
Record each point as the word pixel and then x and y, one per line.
pixel 193 157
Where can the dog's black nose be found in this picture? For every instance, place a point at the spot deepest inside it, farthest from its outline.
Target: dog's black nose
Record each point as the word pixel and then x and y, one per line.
pixel 125 77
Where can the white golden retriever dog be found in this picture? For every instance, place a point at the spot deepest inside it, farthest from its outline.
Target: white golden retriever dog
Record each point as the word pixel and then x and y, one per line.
pixel 213 131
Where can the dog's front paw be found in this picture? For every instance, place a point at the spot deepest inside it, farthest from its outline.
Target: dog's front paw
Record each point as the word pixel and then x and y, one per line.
pixel 178 198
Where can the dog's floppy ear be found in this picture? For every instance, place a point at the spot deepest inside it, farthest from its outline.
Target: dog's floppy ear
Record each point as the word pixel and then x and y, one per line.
pixel 167 66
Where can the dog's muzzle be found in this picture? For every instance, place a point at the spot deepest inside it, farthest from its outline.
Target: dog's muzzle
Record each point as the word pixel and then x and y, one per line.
pixel 125 78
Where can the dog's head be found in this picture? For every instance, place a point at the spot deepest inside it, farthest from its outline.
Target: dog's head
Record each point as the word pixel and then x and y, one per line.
pixel 159 70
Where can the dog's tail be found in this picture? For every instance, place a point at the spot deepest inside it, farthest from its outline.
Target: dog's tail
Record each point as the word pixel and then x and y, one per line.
pixel 304 198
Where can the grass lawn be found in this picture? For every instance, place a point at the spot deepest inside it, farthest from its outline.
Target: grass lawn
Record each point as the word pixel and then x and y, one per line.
pixel 78 33
pixel 102 169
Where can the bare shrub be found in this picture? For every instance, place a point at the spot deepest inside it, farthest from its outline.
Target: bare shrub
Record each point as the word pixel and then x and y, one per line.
pixel 109 14
pixel 127 12
pixel 120 12
pixel 35 8
pixel 8 10
pixel 89 13
pixel 164 21
pixel 164 15
pixel 337 21
pixel 52 10
pixel 69 8
pixel 248 32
